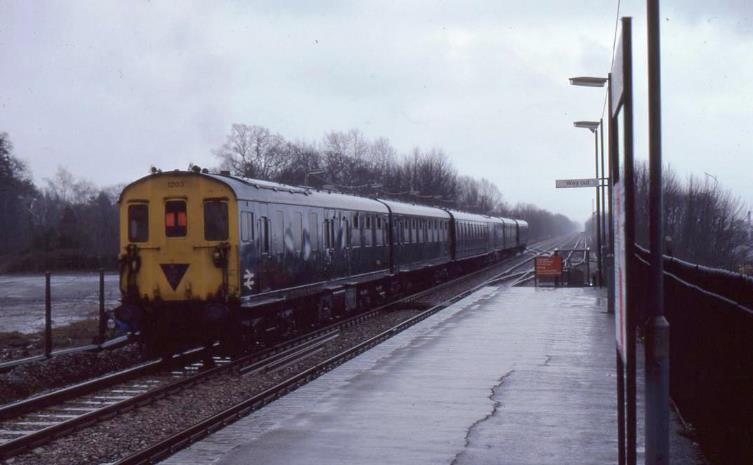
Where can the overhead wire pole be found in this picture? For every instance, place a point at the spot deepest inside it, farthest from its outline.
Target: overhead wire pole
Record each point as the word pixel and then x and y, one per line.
pixel 657 338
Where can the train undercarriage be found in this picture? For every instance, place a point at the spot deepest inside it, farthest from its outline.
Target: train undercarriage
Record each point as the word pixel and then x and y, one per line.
pixel 164 327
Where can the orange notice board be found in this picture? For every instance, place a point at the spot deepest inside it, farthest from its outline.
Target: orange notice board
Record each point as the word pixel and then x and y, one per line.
pixel 548 266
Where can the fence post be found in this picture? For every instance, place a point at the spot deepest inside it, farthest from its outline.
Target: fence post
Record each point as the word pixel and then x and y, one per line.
pixel 47 316
pixel 102 316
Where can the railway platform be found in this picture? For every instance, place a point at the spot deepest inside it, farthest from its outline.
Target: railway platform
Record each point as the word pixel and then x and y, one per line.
pixel 503 376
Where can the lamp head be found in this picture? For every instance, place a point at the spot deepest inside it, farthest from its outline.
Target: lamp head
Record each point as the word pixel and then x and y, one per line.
pixel 588 81
pixel 590 125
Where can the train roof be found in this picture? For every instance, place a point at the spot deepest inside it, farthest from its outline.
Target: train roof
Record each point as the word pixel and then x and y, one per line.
pixel 473 217
pixel 403 208
pixel 507 220
pixel 268 191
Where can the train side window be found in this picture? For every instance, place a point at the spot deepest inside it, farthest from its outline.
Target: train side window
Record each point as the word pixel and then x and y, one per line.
pixel 355 236
pixel 368 233
pixel 378 237
pixel 138 223
pixel 215 220
pixel 278 232
pixel 297 230
pixel 345 238
pixel 264 234
pixel 313 231
pixel 247 226
pixel 332 233
pixel 176 219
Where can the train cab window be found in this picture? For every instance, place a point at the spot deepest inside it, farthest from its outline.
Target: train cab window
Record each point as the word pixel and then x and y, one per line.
pixel 138 223
pixel 215 220
pixel 176 219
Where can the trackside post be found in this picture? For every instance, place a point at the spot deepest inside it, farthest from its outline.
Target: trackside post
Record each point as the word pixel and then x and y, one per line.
pixel 47 315
pixel 102 316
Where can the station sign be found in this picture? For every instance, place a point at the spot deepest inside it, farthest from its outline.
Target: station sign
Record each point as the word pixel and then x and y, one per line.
pixel 571 183
pixel 548 266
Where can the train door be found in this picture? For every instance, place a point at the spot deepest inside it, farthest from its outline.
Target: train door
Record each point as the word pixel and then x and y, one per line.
pixel 328 254
pixel 397 241
pixel 263 248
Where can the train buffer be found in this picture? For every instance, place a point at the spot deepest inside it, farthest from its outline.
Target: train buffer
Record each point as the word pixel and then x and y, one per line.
pixel 518 375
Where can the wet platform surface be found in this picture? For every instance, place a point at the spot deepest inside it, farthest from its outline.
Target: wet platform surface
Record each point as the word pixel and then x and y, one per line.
pixel 504 376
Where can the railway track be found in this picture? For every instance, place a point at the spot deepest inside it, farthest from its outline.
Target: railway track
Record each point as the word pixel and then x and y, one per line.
pixel 33 422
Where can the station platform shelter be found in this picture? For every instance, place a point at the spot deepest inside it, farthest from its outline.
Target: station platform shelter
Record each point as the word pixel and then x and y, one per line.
pixel 506 375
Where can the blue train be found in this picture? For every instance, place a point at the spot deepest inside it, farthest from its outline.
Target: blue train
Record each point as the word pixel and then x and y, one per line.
pixel 215 254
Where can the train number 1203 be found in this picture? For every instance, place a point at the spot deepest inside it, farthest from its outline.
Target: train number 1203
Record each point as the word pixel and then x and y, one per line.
pixel 174 183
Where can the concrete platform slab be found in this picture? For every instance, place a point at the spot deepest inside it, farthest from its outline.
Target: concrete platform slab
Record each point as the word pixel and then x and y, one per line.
pixel 504 376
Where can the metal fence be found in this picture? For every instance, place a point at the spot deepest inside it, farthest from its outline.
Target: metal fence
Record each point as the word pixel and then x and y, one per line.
pixel 710 312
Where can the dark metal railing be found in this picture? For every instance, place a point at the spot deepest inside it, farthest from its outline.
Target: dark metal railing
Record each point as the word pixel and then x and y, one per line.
pixel 710 312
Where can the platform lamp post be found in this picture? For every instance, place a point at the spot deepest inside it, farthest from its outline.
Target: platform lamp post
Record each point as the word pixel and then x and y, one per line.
pixel 593 126
pixel 606 227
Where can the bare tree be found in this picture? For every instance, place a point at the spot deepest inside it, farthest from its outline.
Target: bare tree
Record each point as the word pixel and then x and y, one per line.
pixel 703 222
pixel 253 151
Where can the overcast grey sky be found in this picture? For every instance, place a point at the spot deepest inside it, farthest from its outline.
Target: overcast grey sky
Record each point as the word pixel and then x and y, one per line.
pixel 108 89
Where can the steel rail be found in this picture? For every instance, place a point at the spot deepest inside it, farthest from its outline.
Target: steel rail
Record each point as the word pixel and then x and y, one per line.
pixel 252 362
pixel 110 344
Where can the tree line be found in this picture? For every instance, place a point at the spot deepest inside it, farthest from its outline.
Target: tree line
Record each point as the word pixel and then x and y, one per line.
pixel 67 223
pixel 703 223
pixel 70 223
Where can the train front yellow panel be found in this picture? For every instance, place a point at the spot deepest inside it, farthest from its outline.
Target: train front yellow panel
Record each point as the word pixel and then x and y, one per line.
pixel 173 251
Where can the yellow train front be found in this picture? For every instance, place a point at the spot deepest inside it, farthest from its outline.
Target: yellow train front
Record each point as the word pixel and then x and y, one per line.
pixel 179 261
